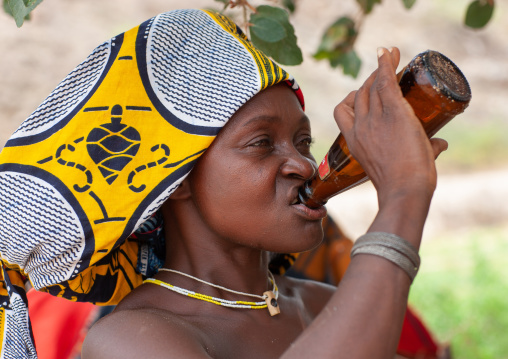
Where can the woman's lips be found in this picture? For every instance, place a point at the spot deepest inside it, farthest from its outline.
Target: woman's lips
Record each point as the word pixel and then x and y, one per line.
pixel 312 214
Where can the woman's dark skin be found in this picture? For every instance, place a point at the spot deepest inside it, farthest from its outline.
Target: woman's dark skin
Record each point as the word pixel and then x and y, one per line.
pixel 238 203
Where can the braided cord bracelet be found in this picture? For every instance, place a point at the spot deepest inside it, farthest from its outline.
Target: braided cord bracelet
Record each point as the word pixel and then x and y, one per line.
pixel 391 247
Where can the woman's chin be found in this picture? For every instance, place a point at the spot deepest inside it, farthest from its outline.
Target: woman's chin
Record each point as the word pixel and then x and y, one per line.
pixel 301 242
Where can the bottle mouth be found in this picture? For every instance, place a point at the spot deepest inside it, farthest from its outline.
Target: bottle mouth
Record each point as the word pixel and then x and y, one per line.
pixel 446 76
pixel 305 198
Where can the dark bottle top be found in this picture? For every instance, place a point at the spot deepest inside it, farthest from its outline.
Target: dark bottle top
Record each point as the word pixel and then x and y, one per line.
pixel 437 91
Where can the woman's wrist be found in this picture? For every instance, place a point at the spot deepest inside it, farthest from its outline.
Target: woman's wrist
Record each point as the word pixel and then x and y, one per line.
pixel 406 193
pixel 403 212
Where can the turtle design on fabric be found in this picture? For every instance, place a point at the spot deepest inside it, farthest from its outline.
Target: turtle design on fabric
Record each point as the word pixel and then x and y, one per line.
pixel 113 145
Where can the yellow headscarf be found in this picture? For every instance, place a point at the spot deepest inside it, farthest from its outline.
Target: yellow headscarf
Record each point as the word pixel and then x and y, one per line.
pixel 102 153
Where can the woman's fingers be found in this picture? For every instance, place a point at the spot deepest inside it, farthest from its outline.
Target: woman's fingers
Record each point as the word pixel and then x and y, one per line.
pixel 438 146
pixel 387 138
pixel 395 56
pixel 381 81
pixel 344 113
pixel 385 87
pixel 363 96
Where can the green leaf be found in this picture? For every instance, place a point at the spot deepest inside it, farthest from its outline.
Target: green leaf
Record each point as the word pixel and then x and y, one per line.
pixel 339 37
pixel 290 5
pixel 351 63
pixel 479 13
pixel 408 4
pixel 20 9
pixel 337 46
pixel 367 5
pixel 267 29
pixel 7 9
pixel 285 51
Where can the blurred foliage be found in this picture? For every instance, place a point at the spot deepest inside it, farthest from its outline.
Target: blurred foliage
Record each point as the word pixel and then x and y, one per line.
pixel 271 30
pixel 408 4
pixel 367 5
pixel 460 292
pixel 20 9
pixel 290 5
pixel 479 13
pixel 272 33
pixel 337 46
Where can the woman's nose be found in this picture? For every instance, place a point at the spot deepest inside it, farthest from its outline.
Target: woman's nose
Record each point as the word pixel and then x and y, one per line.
pixel 298 166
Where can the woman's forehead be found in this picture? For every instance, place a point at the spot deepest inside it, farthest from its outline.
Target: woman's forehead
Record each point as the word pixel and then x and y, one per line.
pixel 269 105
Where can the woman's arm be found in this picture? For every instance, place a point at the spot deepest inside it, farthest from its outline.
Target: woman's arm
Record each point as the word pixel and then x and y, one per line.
pixel 363 319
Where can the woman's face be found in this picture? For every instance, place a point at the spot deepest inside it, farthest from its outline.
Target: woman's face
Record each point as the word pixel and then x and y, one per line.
pixel 245 185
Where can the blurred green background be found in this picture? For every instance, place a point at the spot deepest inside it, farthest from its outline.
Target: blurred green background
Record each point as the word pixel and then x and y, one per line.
pixel 461 291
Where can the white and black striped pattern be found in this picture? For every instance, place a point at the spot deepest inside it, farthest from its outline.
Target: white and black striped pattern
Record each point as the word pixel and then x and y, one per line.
pixel 200 81
pixel 39 230
pixel 17 342
pixel 70 92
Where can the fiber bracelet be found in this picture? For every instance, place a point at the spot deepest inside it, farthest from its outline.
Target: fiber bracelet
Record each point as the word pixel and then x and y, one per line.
pixel 390 247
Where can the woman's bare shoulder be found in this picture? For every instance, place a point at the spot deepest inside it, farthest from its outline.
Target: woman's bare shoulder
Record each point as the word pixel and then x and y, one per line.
pixel 142 333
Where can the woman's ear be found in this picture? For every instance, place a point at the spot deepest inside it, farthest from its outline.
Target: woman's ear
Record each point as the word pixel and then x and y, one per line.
pixel 182 192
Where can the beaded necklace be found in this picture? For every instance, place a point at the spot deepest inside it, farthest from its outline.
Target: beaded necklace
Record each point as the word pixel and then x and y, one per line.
pixel 269 298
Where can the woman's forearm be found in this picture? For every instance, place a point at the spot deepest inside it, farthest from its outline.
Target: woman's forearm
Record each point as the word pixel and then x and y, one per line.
pixel 363 319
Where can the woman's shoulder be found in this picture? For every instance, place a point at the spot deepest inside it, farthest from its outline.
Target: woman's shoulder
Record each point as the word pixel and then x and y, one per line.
pixel 140 331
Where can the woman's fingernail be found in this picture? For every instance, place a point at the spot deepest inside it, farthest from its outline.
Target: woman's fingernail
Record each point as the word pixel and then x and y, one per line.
pixel 380 51
pixel 390 49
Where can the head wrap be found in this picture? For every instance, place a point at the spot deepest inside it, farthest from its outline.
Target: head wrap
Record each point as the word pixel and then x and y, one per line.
pixel 102 153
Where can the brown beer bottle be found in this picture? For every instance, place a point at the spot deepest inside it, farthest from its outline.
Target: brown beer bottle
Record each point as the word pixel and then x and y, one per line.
pixel 436 90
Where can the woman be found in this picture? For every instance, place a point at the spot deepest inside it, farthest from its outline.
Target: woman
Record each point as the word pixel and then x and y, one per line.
pixel 197 71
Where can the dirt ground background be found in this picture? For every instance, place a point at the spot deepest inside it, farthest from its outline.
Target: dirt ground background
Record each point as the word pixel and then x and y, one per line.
pixel 63 32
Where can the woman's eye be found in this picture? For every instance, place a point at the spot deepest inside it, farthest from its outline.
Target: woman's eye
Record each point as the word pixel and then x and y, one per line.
pixel 262 143
pixel 306 142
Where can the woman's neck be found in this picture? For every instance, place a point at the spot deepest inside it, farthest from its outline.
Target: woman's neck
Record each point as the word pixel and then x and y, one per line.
pixel 193 249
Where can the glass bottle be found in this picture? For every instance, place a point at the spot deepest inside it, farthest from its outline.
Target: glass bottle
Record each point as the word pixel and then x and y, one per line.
pixel 437 91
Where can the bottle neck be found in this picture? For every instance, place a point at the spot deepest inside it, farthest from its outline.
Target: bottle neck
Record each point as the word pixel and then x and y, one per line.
pixel 306 196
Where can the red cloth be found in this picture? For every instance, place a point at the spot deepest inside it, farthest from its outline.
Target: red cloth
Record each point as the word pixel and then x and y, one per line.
pixel 415 340
pixel 59 325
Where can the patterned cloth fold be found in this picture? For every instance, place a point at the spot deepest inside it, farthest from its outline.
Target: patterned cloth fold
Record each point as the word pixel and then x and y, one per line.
pixel 105 149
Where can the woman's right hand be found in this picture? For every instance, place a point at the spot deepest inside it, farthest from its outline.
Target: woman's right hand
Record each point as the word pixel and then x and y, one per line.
pixel 384 135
